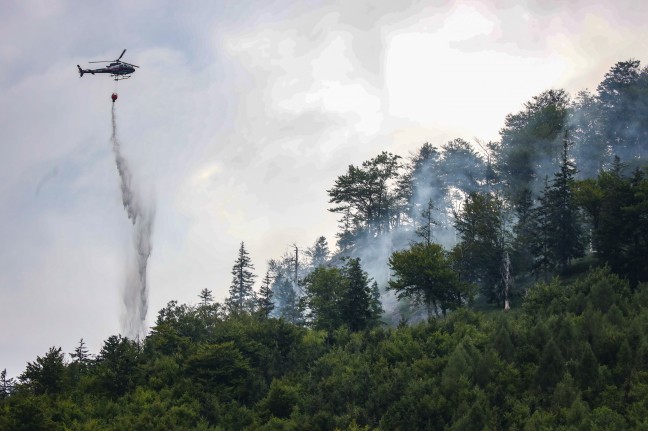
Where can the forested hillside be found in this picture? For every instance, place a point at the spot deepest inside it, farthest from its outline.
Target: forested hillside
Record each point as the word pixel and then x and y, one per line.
pixel 486 285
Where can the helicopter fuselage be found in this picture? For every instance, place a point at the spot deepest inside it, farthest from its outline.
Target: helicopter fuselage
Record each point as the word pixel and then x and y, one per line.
pixel 117 69
pixel 113 69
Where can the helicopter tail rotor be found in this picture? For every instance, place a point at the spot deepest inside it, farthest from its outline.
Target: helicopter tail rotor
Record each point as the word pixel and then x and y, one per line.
pixel 80 71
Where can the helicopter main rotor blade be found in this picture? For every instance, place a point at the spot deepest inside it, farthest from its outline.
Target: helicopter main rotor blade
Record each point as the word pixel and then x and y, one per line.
pixel 122 54
pixel 103 61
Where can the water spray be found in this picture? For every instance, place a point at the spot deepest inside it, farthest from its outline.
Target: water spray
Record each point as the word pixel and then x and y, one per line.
pixel 141 215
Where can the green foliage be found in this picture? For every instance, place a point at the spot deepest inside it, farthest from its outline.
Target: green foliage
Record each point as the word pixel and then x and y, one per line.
pixel 529 139
pixel 357 305
pixel 461 166
pixel 241 294
pixel 563 226
pixel 319 252
pixel 365 196
pixel 324 289
pixel 265 304
pixel 617 206
pixel 554 364
pixel 424 273
pixel 6 385
pixel 341 296
pixel 45 375
pixel 116 367
pixel 218 367
pixel 481 251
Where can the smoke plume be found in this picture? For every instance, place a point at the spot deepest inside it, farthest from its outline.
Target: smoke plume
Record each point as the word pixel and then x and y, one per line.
pixel 141 214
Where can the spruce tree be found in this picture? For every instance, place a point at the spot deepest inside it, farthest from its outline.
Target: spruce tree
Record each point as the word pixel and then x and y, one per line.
pixel 264 298
pixel 375 305
pixel 357 300
pixel 426 223
pixel 206 297
pixel 6 384
pixel 319 253
pixel 565 232
pixel 286 301
pixel 80 354
pixel 522 254
pixel 540 240
pixel 241 292
pixel 480 252
pixel 550 367
pixel 46 374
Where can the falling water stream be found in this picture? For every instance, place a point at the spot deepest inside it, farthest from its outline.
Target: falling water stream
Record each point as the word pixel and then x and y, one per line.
pixel 141 214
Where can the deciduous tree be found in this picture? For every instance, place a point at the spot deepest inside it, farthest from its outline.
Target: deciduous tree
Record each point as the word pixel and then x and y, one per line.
pixel 424 273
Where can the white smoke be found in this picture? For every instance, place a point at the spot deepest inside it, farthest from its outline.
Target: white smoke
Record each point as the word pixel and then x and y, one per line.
pixel 141 214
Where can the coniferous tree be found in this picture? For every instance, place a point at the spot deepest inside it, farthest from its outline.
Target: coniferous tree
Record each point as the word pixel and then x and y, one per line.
pixel 286 300
pixel 81 361
pixel 356 305
pixel 636 230
pixel 426 223
pixel 550 367
pixel 461 166
pixel 522 252
pixel 284 294
pixel 319 252
pixel 241 292
pixel 375 305
pixel 46 374
pixel 565 231
pixel 502 343
pixel 264 298
pixel 366 197
pixel 206 297
pixel 6 384
pixel 341 296
pixel 324 289
pixel 116 365
pixel 530 140
pixel 616 205
pixel 586 130
pixel 81 354
pixel 423 181
pixel 543 260
pixel 480 253
pixel 207 308
pixel 621 95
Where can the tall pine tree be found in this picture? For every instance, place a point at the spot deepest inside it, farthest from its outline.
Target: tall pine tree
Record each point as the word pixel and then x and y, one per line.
pixel 357 304
pixel 565 230
pixel 264 299
pixel 480 253
pixel 241 292
pixel 543 260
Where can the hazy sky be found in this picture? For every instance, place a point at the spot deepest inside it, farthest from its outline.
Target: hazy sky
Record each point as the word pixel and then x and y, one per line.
pixel 241 116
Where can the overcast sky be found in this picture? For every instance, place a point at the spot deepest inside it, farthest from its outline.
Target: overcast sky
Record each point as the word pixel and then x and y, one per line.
pixel 240 117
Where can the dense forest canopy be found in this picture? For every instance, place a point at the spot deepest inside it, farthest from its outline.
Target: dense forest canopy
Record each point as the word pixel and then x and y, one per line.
pixel 400 327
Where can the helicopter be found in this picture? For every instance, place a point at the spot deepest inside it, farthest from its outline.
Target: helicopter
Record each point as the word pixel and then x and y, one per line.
pixel 118 69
